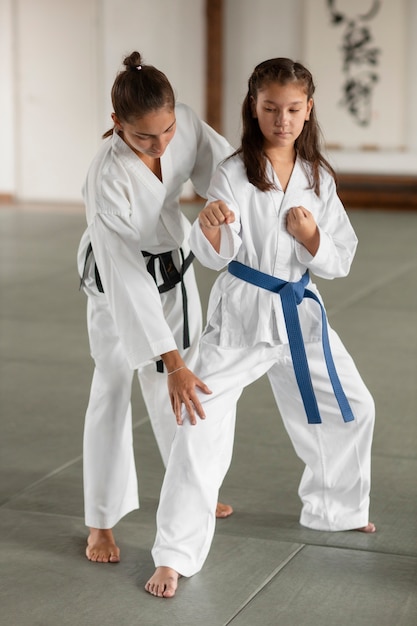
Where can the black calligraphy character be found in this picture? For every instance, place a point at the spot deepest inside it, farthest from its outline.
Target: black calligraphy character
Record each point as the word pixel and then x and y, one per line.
pixel 360 59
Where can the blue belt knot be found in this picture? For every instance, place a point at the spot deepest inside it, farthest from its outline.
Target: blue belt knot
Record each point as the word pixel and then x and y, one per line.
pixel 292 294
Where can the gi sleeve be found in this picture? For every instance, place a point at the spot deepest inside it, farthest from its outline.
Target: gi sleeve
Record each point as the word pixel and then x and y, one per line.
pixel 338 241
pixel 133 297
pixel 219 189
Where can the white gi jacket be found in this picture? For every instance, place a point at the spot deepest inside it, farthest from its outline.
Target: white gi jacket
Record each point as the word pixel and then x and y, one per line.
pixel 130 210
pixel 239 314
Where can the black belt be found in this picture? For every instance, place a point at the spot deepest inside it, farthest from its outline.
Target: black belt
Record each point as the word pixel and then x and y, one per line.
pixel 171 277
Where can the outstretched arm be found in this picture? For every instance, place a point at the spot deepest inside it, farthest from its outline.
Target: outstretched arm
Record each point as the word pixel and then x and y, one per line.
pixel 211 218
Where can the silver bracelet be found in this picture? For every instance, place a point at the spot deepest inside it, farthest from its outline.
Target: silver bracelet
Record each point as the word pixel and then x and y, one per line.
pixel 177 370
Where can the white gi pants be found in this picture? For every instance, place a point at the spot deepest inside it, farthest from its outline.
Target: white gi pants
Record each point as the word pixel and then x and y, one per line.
pixel 110 481
pixel 335 485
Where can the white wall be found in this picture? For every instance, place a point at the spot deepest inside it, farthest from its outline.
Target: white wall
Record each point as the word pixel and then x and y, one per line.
pixel 58 60
pixel 254 32
pixel 56 96
pixel 7 144
pixel 390 161
pixel 168 33
pixel 411 76
pixel 380 116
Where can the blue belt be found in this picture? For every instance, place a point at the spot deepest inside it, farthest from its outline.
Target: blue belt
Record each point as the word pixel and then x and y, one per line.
pixel 291 295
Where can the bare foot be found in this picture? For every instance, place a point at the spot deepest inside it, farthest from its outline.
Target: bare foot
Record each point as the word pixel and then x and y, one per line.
pixel 223 510
pixel 369 528
pixel 101 546
pixel 163 583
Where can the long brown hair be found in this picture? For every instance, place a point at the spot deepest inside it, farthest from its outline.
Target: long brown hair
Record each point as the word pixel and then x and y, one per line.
pixel 138 90
pixel 307 145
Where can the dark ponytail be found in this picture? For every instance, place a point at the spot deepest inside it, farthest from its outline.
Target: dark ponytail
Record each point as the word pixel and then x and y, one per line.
pixel 138 90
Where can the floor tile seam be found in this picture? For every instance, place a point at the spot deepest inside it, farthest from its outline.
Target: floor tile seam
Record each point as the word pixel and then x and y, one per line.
pixel 123 523
pixel 376 285
pixel 307 544
pixel 267 580
pixel 265 583
pixel 367 550
pixel 41 480
pixel 53 473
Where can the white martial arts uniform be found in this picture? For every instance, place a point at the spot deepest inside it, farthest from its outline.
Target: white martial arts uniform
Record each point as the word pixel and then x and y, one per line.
pixel 129 210
pixel 246 337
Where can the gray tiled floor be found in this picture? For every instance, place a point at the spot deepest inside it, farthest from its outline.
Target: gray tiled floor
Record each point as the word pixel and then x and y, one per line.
pixel 264 569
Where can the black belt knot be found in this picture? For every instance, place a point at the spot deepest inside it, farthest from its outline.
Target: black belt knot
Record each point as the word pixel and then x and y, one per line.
pixel 171 277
